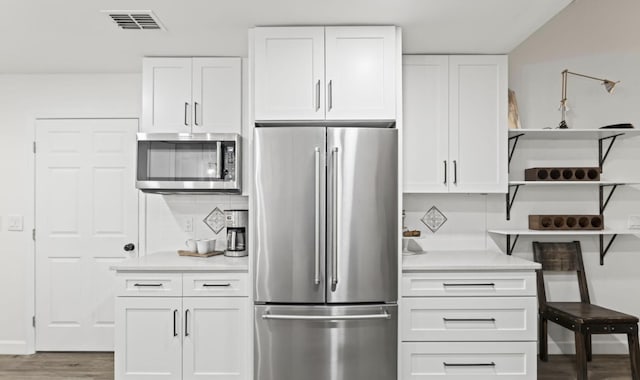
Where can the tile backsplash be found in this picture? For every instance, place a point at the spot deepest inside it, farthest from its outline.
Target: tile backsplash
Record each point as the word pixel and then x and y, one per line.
pixel 465 226
pixel 169 217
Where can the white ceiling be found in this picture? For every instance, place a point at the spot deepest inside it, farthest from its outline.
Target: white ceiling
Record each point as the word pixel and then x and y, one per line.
pixel 73 36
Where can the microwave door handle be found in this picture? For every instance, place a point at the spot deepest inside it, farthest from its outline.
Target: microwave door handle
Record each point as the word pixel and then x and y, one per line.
pixel 316 273
pixel 218 171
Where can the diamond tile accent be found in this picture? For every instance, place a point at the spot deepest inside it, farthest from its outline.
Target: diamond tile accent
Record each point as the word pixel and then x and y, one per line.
pixel 433 219
pixel 215 220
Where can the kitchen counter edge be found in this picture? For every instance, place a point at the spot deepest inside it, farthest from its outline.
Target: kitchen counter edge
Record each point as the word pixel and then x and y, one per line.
pixel 171 261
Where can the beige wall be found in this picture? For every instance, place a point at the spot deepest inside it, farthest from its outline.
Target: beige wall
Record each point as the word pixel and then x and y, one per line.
pixel 23 98
pixel 598 38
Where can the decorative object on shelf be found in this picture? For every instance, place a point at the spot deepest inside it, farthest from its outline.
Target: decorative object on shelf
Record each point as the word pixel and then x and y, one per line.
pixel 562 174
pixel 433 219
pixel 608 86
pixel 514 115
pixel 215 220
pixel 619 126
pixel 566 222
pixel 413 233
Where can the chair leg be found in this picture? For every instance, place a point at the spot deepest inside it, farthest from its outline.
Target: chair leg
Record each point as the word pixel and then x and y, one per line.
pixel 634 354
pixel 581 356
pixel 542 340
pixel 588 346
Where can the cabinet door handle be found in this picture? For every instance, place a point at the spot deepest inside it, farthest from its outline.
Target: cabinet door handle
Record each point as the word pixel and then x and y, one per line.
pixel 215 285
pixel 455 172
pixel 186 323
pixel 175 321
pixel 330 95
pixel 147 285
pixel 186 109
pixel 445 171
pixel 491 364
pixel 469 319
pixel 195 113
pixel 318 95
pixel 470 284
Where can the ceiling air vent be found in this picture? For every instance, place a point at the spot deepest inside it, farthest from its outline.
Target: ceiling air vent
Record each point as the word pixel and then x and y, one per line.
pixel 135 20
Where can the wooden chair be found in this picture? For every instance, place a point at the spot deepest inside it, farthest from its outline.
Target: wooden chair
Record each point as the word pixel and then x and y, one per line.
pixel 583 318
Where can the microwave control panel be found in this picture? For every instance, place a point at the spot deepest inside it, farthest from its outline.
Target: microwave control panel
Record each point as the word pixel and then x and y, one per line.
pixel 229 162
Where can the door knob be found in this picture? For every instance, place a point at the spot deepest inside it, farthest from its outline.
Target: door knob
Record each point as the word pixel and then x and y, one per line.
pixel 129 247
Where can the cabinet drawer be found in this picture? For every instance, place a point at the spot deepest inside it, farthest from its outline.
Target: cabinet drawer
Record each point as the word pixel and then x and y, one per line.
pixel 468 319
pixel 149 284
pixel 469 284
pixel 468 360
pixel 216 284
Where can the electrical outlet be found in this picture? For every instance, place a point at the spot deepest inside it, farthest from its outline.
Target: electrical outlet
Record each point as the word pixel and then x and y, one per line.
pixel 15 223
pixel 634 222
pixel 187 224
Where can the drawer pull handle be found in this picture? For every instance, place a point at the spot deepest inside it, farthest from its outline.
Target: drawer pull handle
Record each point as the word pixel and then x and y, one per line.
pixel 215 285
pixel 477 284
pixel 147 285
pixel 492 364
pixel 469 319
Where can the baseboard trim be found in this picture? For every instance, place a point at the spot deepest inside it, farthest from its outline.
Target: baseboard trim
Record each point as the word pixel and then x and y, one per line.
pixel 13 347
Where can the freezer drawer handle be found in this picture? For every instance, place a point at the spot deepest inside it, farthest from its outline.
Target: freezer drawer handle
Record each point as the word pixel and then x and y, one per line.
pixel 477 284
pixel 147 285
pixel 492 364
pixel 384 315
pixel 469 319
pixel 215 285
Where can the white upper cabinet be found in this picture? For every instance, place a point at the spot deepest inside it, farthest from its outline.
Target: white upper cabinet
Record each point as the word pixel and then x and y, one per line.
pixel 455 124
pixel 192 95
pixel 318 73
pixel 360 72
pixel 166 94
pixel 289 73
pixel 426 119
pixel 478 112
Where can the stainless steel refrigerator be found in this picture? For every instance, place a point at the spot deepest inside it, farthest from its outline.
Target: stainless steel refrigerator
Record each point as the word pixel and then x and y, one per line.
pixel 326 260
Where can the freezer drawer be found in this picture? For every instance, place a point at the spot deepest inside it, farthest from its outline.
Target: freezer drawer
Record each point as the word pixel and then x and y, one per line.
pixel 325 342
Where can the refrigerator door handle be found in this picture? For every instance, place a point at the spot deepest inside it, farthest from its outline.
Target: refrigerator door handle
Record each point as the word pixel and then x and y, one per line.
pixel 316 277
pixel 334 222
pixel 384 315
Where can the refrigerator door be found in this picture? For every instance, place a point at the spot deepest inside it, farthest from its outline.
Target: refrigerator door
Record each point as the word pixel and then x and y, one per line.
pixel 325 342
pixel 290 214
pixel 362 209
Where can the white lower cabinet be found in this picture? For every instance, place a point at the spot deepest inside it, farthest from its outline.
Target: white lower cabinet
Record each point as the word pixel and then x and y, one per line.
pixel 469 360
pixel 201 337
pixel 468 325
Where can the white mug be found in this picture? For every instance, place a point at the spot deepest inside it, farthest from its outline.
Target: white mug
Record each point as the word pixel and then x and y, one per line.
pixel 203 246
pixel 191 245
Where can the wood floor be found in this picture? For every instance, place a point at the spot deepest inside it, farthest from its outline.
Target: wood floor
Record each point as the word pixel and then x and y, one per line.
pixel 99 366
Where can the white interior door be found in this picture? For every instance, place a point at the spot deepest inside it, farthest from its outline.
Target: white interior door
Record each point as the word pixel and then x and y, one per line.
pixel 86 211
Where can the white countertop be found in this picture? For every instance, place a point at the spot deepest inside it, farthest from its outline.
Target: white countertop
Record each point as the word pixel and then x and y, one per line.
pixel 465 260
pixel 170 261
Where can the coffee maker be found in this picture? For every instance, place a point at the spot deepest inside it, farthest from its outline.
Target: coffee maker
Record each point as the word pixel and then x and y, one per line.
pixel 237 223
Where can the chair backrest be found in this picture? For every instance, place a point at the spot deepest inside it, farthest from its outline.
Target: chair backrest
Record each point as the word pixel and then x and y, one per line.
pixel 560 257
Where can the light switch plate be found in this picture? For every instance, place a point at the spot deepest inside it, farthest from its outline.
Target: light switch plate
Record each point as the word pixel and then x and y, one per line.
pixel 15 223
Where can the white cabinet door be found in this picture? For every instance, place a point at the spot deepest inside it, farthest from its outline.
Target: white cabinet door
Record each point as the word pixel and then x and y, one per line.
pixel 166 95
pixel 148 338
pixel 216 338
pixel 426 123
pixel 217 95
pixel 478 124
pixel 360 72
pixel 289 73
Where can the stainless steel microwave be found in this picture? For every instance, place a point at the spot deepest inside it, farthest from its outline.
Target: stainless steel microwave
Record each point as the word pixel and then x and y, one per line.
pixel 189 162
